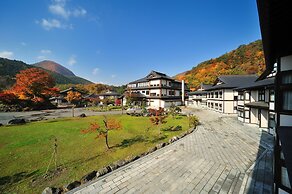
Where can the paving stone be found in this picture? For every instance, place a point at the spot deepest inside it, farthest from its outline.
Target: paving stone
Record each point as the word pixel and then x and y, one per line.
pixel 222 155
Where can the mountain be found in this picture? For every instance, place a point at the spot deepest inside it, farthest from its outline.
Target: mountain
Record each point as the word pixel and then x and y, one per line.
pixel 54 67
pixel 9 68
pixel 246 59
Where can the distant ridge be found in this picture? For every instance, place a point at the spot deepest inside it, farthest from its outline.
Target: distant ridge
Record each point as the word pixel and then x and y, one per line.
pixel 9 68
pixel 54 67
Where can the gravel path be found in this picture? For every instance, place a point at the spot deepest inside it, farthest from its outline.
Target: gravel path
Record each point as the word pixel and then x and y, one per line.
pixel 49 114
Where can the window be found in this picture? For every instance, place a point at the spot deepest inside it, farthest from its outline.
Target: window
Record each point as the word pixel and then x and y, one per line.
pixel 220 107
pixel 212 94
pixel 261 95
pixel 284 177
pixel 147 92
pixel 272 122
pixel 246 114
pixel 216 106
pixel 143 91
pixel 235 99
pixel 216 94
pixel 240 113
pixel 272 96
pixel 287 78
pixel 287 100
pixel 171 93
pixel 240 96
pixel 143 84
pixel 220 94
pixel 235 108
pixel 246 96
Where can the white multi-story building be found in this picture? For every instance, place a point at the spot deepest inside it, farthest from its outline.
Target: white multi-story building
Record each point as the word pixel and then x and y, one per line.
pixel 222 96
pixel 255 104
pixel 158 90
pixel 198 98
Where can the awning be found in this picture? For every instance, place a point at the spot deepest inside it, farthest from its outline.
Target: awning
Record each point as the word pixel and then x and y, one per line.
pixel 259 104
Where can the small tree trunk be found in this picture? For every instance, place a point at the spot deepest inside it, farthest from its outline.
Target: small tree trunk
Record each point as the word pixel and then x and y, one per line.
pixel 106 142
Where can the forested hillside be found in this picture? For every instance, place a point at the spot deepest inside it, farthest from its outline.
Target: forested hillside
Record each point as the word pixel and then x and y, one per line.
pixel 9 68
pixel 246 59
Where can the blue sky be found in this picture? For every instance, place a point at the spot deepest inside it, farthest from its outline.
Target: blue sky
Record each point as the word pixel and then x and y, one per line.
pixel 118 41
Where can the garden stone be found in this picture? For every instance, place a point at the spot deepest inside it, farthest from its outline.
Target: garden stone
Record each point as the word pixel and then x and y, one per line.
pixel 82 115
pixel 52 190
pixel 161 145
pixel 113 166
pixel 121 163
pixel 152 149
pixel 88 177
pixel 16 121
pixel 72 185
pixel 102 172
pixel 135 158
pixel 173 139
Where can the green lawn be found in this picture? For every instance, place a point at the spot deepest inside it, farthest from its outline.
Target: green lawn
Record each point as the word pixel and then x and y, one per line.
pixel 25 150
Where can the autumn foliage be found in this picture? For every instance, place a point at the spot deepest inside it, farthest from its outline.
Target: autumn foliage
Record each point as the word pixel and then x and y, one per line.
pixel 246 59
pixel 33 88
pixel 157 117
pixel 103 131
pixel 8 98
pixel 73 97
pixel 34 84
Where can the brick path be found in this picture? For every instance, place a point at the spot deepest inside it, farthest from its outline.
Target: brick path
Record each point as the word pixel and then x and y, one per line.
pixel 221 156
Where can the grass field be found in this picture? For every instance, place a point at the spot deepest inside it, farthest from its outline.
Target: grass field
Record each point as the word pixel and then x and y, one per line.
pixel 25 150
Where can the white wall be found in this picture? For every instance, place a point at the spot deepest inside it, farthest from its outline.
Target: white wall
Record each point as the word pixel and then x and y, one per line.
pixel 228 94
pixel 254 116
pixel 264 118
pixel 155 103
pixel 228 107
pixel 157 91
pixel 254 96
pixel 272 105
pixel 240 102
pixel 152 82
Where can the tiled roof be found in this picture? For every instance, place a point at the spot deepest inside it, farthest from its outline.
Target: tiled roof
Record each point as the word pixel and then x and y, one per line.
pixel 233 81
pixel 197 92
pixel 269 82
pixel 152 75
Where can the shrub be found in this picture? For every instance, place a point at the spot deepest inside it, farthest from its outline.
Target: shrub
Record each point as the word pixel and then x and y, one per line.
pixel 193 121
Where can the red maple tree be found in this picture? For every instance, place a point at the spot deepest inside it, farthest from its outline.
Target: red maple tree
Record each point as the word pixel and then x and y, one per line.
pixel 102 132
pixel 34 84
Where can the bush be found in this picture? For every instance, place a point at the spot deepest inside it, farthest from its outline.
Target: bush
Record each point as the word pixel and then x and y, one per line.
pixel 193 121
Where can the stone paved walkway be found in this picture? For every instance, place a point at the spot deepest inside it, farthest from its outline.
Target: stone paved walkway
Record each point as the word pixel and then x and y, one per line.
pixel 221 156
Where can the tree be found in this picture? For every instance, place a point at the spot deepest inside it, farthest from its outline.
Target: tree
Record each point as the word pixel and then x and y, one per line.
pixel 34 84
pixel 73 97
pixel 174 110
pixel 118 102
pixel 193 121
pixel 158 117
pixel 103 132
pixel 8 98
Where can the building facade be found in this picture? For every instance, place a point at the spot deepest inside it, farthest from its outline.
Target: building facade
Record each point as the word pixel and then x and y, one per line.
pixel 255 104
pixel 222 96
pixel 158 89
pixel 275 18
pixel 198 98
